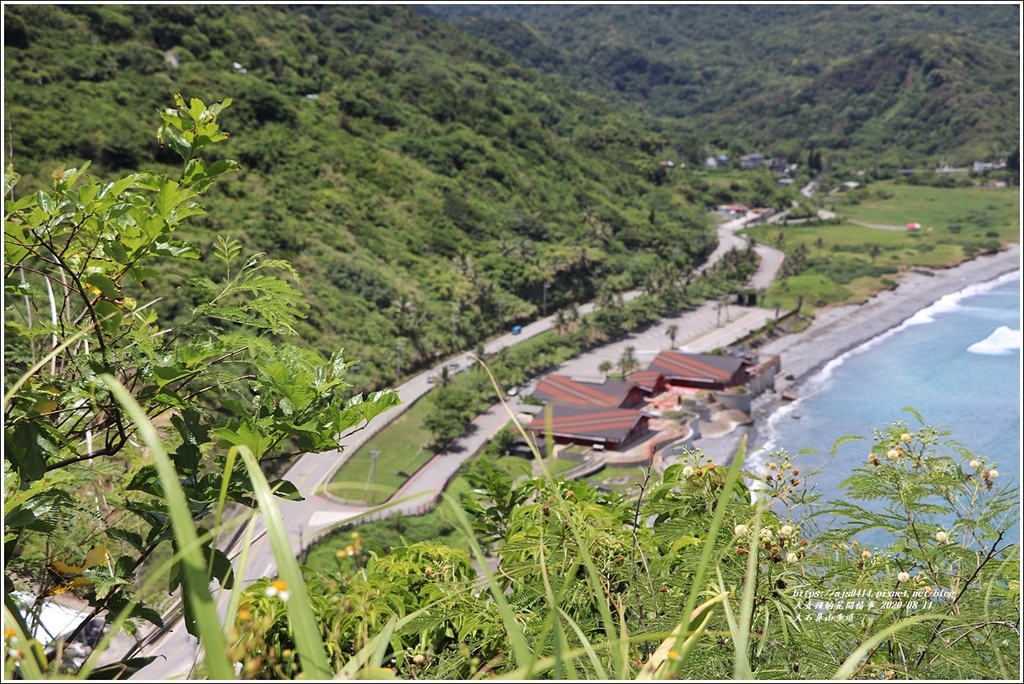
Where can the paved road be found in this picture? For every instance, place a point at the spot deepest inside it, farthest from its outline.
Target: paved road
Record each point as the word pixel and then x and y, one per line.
pixel 710 326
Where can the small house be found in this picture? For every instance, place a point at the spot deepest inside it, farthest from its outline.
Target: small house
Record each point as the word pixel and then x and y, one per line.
pixel 751 161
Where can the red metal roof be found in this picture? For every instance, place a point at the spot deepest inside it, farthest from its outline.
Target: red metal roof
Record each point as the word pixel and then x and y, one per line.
pixel 707 368
pixel 645 380
pixel 559 389
pixel 588 423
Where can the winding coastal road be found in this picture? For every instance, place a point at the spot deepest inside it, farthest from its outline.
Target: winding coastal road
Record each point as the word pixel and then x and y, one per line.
pixel 307 520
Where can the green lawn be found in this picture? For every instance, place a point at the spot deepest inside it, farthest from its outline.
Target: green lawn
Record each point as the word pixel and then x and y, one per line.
pixel 390 532
pixel 974 209
pixel 850 263
pixel 401 450
pixel 609 476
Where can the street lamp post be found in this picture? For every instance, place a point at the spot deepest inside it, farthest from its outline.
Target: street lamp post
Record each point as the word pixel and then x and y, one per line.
pixel 374 453
pixel 546 286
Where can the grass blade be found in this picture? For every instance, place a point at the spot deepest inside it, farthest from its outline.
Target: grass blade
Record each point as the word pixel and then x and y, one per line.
pixel 653 668
pixel 520 649
pixel 305 630
pixel 853 663
pixel 196 589
pixel 741 637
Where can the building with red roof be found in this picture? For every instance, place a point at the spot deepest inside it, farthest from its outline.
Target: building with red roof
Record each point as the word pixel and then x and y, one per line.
pixel 704 371
pixel 563 391
pixel 607 414
pixel 610 428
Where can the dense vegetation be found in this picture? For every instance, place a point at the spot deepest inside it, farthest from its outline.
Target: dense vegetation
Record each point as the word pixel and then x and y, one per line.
pixel 402 183
pixel 423 184
pixel 696 577
pixel 592 586
pixel 896 83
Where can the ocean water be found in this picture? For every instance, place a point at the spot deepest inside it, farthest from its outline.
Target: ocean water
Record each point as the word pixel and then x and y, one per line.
pixel 957 363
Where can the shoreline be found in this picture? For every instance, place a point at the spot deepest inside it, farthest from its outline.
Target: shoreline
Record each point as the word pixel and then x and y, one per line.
pixel 844 328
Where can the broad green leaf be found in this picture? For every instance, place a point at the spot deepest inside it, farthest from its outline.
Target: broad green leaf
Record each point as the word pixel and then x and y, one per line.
pixel 177 140
pixel 109 314
pixel 28 448
pixel 45 202
pixel 104 284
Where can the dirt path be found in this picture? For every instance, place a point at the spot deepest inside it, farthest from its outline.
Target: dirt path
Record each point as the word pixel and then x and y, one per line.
pixel 877 226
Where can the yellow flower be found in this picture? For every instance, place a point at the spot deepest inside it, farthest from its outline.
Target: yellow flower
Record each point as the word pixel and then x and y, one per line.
pixel 278 588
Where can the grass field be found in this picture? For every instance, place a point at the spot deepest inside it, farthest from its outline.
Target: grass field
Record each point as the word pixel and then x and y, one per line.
pixel 623 479
pixel 974 209
pixel 390 532
pixel 850 263
pixel 401 447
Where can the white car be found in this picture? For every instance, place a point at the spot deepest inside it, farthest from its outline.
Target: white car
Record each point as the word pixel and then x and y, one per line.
pixel 513 391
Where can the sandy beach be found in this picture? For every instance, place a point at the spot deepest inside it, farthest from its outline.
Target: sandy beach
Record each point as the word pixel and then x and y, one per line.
pixel 839 329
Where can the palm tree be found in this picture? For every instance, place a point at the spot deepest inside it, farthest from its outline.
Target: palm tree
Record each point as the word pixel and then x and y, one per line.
pixel 672 331
pixel 560 321
pixel 604 367
pixel 628 361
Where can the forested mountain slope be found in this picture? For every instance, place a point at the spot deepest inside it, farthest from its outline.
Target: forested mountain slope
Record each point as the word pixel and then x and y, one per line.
pixel 424 184
pixel 723 63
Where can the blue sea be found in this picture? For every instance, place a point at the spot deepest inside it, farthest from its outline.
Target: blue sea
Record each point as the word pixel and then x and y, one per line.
pixel 957 363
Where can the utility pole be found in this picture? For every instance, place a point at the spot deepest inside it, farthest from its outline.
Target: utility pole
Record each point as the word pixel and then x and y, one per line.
pixel 374 453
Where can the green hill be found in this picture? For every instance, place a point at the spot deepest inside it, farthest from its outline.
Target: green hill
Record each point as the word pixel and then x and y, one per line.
pixel 424 184
pixel 827 74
